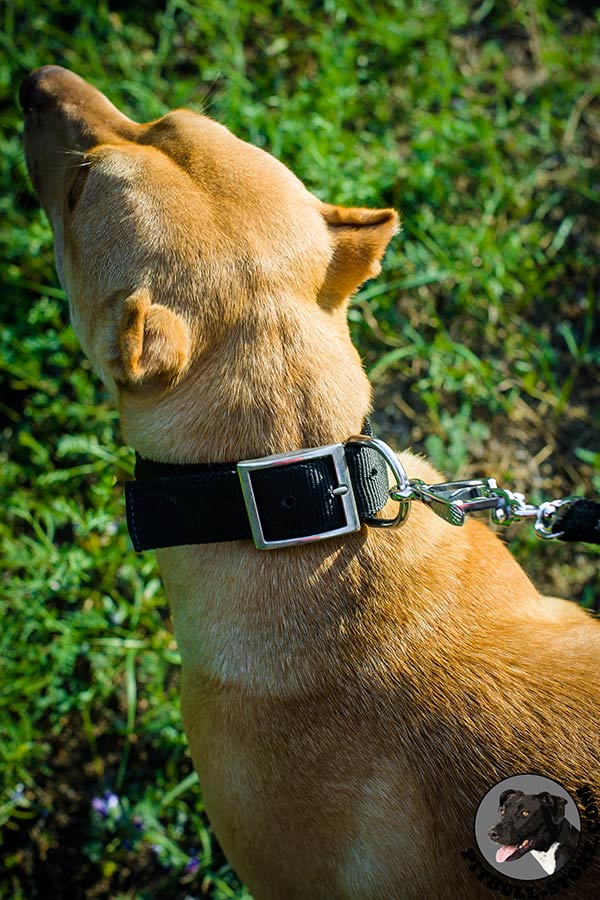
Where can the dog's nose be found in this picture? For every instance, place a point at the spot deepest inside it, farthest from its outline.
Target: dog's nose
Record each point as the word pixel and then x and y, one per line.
pixel 493 834
pixel 35 88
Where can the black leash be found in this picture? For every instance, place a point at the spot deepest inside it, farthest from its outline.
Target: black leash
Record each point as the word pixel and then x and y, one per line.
pixel 580 521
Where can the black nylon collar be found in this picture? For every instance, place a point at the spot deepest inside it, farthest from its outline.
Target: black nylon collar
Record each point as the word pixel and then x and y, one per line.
pixel 171 505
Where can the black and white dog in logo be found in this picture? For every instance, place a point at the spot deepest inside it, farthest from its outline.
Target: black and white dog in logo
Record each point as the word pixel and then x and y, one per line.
pixel 536 824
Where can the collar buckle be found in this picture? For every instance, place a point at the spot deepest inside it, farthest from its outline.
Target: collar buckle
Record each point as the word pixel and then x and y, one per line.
pixel 343 491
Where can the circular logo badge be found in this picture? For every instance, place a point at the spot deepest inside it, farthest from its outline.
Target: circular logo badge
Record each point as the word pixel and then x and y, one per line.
pixel 527 827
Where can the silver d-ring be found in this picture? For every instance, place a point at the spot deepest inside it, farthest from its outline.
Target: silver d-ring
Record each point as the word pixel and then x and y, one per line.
pixel 402 482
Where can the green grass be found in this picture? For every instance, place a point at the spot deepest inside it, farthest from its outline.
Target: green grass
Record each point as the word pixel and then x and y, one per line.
pixel 480 122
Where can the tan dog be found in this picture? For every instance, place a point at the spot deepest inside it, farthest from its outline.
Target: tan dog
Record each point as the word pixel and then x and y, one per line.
pixel 349 702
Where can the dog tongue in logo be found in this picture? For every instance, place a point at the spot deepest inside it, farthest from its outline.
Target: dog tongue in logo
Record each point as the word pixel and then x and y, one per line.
pixel 504 852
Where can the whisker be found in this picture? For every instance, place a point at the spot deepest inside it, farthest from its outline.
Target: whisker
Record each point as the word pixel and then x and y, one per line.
pixel 61 168
pixel 79 154
pixel 208 94
pixel 72 152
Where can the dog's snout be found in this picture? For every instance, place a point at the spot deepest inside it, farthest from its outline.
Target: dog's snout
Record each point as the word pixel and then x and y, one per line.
pixel 493 834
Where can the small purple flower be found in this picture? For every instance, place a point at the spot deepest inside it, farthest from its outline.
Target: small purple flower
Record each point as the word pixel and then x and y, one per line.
pixel 99 806
pixel 106 804
pixel 192 865
pixel 138 823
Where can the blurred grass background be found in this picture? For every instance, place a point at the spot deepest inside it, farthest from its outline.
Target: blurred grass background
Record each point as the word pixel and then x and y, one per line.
pixel 480 122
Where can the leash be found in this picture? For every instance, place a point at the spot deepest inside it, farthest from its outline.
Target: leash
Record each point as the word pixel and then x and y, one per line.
pixel 318 493
pixel 567 519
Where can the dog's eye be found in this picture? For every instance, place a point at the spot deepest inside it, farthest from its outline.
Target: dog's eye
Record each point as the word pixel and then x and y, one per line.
pixel 524 813
pixel 502 811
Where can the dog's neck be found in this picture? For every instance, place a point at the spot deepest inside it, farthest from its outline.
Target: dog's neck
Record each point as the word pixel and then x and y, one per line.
pixel 259 390
pixel 278 382
pixel 279 624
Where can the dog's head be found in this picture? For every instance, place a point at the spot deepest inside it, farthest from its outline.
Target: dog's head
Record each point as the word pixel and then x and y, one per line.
pixel 169 232
pixel 527 822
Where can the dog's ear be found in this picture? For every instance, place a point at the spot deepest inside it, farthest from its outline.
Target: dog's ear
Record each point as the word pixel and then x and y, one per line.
pixel 152 341
pixel 555 804
pixel 359 238
pixel 506 794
